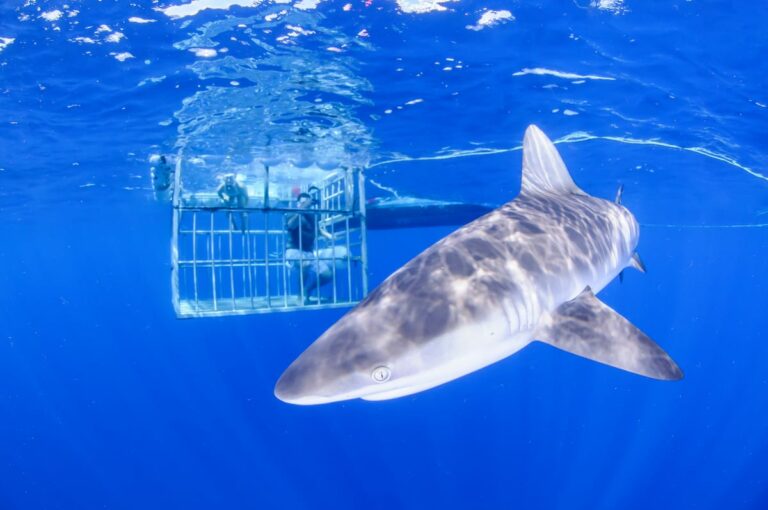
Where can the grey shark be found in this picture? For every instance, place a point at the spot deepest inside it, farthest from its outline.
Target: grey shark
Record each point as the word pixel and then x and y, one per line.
pixel 527 271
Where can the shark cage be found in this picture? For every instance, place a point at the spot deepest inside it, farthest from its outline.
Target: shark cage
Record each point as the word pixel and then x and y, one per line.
pixel 268 242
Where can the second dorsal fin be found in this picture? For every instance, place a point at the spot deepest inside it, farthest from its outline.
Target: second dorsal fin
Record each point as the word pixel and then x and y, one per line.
pixel 543 168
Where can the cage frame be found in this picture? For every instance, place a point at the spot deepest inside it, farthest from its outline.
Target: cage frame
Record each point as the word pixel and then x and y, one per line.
pixel 354 214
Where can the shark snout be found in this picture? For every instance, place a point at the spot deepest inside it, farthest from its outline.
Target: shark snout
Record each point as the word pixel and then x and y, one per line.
pixel 348 361
pixel 290 387
pixel 310 381
pixel 303 383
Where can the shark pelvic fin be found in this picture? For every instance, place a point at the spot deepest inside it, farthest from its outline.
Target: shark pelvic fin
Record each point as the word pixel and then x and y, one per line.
pixel 637 263
pixel 587 327
pixel 543 168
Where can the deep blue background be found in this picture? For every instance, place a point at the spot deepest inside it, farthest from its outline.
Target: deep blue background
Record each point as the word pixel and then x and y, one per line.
pixel 108 401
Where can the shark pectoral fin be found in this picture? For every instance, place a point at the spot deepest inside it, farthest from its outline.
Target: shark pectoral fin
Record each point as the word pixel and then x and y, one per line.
pixel 587 327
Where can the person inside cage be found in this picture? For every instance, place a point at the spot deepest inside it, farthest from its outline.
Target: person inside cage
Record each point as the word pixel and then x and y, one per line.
pixel 234 195
pixel 302 229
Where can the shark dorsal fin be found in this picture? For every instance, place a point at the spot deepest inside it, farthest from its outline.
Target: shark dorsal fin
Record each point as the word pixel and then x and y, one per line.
pixel 543 168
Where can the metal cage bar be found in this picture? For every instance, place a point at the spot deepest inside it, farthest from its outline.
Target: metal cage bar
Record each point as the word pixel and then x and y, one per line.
pixel 194 259
pixel 212 258
pixel 176 221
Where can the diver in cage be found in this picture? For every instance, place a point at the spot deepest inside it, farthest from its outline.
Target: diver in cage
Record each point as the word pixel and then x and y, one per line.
pixel 316 265
pixel 161 174
pixel 234 195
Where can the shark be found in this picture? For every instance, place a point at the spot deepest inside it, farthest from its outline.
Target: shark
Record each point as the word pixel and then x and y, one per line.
pixel 526 272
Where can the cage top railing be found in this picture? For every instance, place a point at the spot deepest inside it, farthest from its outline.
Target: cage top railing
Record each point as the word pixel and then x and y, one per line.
pixel 338 191
pixel 278 209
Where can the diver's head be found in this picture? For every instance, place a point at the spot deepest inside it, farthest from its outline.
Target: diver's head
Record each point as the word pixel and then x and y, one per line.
pixel 304 200
pixel 314 193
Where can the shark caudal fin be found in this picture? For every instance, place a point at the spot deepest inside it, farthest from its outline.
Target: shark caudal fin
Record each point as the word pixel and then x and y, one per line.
pixel 587 327
pixel 543 168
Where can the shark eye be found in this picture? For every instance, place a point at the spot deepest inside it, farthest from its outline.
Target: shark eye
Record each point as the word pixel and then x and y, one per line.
pixel 381 374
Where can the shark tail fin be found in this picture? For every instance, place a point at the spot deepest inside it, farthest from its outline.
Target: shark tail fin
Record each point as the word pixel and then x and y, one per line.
pixel 587 327
pixel 543 168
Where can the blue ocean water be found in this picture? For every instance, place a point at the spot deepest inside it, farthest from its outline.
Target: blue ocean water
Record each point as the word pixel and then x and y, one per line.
pixel 108 401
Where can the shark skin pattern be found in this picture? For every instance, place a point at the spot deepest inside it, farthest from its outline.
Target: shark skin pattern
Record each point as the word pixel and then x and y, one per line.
pixel 526 271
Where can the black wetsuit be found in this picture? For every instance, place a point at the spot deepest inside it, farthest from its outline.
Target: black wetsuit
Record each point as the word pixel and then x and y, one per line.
pixel 304 223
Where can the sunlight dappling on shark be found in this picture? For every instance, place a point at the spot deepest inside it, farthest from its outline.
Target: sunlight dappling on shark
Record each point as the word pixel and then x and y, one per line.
pixel 527 271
